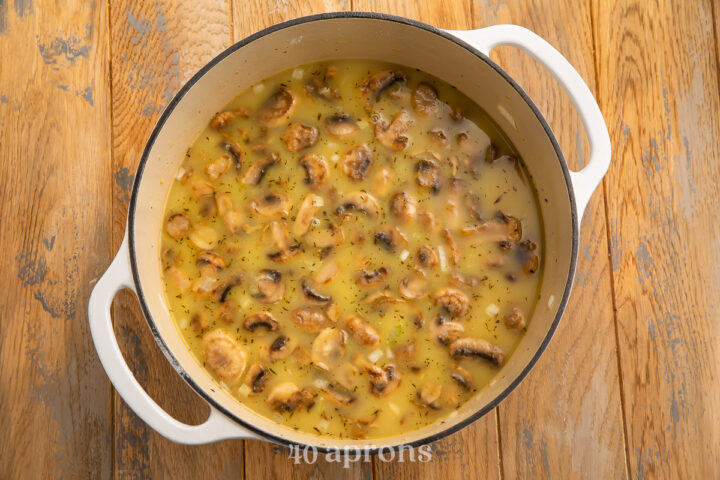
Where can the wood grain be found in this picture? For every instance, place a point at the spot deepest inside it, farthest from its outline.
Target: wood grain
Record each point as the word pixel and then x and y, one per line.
pixel 565 420
pixel 156 47
pixel 55 232
pixel 658 87
pixel 474 451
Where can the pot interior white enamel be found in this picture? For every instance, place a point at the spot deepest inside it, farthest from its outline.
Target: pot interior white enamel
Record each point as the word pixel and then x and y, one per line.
pixel 386 39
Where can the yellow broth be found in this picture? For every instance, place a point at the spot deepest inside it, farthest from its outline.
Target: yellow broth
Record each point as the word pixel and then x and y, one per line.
pixel 479 196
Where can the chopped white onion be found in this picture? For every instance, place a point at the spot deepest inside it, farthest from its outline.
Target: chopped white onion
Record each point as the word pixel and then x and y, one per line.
pixel 258 88
pixel 551 301
pixel 375 356
pixel 492 310
pixel 298 73
pixel 443 258
pixel 404 255
pixel 180 173
pixel 243 390
pixel 320 383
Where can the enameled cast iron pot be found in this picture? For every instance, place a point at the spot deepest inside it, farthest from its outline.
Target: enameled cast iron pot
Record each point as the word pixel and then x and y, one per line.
pixel 459 58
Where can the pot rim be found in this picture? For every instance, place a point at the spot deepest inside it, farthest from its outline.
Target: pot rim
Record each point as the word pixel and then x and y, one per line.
pixel 167 112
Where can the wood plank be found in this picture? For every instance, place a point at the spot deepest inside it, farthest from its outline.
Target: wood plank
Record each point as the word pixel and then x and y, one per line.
pixel 451 457
pixel 658 86
pixel 263 460
pixel 55 237
pixel 156 47
pixel 565 419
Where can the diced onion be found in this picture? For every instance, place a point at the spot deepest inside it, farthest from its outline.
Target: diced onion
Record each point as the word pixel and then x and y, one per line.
pixel 180 173
pixel 243 390
pixel 443 258
pixel 389 353
pixel 404 255
pixel 492 310
pixel 323 425
pixel 258 88
pixel 375 356
pixel 297 74
pixel 320 383
pixel 551 301
pixel 394 408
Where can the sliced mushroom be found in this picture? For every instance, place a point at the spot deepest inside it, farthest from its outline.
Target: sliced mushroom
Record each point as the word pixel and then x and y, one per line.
pixel 321 89
pixel 428 171
pixel 389 238
pixel 287 397
pixel 425 99
pixel 278 108
pixel 327 272
pixel 257 170
pixel 201 188
pixel 452 245
pixel 299 136
pixel 337 397
pixel 316 170
pixel 462 376
pixel 306 214
pixel 426 257
pixel 370 278
pixel 405 351
pixel 261 320
pixel 222 291
pixel 429 394
pixel 312 295
pixel 228 311
pixel 437 137
pixel 382 181
pixel 218 167
pixel 446 331
pixel 224 355
pixel 281 239
pixel 357 162
pixel 199 321
pixel 526 254
pixel 504 228
pixel 309 320
pixel 178 277
pixel 326 237
pixel 403 205
pixel 256 377
pixel 210 259
pixel 204 236
pixel 452 300
pixel 429 221
pixel 377 82
pixel 177 226
pixel 271 205
pixel 223 119
pixel 235 152
pixel 383 381
pixel 477 347
pixel 362 331
pixel 465 280
pixel 492 153
pixel 341 126
pixel 472 202
pixel 207 207
pixel 328 348
pixel 514 318
pixel 270 286
pixel 359 201
pixel 392 135
pixel 413 287
pixel 281 348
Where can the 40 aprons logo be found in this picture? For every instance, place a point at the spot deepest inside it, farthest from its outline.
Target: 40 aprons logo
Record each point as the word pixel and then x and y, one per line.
pixel 347 455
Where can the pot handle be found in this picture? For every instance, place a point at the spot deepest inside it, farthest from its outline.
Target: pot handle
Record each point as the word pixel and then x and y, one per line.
pixel 586 180
pixel 119 276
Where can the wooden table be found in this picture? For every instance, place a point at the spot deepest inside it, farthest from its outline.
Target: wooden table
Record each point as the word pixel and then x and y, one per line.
pixel 629 387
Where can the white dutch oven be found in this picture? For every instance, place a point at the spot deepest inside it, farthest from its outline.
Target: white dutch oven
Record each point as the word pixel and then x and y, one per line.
pixel 459 58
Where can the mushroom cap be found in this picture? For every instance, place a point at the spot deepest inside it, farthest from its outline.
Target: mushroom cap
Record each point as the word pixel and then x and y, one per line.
pixel 328 348
pixel 278 108
pixel 224 355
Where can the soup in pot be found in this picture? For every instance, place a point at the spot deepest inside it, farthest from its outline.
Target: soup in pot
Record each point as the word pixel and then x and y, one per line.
pixel 352 248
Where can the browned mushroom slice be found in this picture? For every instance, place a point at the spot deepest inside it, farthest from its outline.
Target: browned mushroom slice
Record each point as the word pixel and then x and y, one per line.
pixel 235 152
pixel 319 88
pixel 326 237
pixel 446 331
pixel 201 188
pixel 316 170
pixel 452 245
pixel 224 355
pixel 337 397
pixel 328 348
pixel 370 278
pixel 327 272
pixel 278 108
pixel 405 351
pixel 261 320
pixel 504 228
pixel 299 136
pixel 228 311
pixel 210 259
pixel 287 397
pixel 426 257
pixel 514 318
pixel 492 153
pixel 472 202
pixel 413 287
pixel 306 214
pixel 281 348
pixel 359 201
pixel 270 205
pixel 403 205
pixel 357 162
pixel 309 320
pixel 425 99
pixel 437 137
pixel 223 119
pixel 526 254
pixel 223 290
pixel 312 295
pixel 428 395
pixel 465 280
pixel 341 126
pixel 382 181
pixel 177 226
pixel 199 321
pixel 429 221
pixel 383 381
pixel 452 300
pixel 204 236
pixel 256 377
pixel 377 82
pixel 389 238
pixel 362 331
pixel 218 167
pixel 257 170
pixel 178 277
pixel 428 171
pixel 270 286
pixel 477 347
pixel 392 135
pixel 462 376
pixel 207 207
